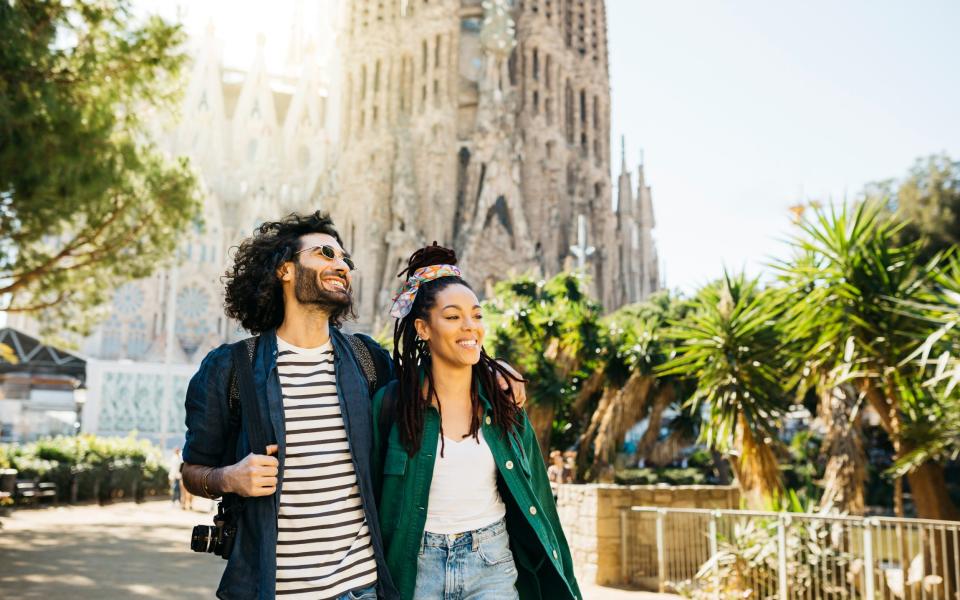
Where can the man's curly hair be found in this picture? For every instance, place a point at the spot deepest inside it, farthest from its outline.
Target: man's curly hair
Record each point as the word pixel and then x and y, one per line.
pixel 254 294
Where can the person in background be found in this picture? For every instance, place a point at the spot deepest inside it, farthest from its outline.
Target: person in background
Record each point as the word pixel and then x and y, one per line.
pixel 173 473
pixel 569 466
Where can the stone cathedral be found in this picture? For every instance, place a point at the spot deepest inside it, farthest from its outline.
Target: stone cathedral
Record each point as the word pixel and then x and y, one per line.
pixel 481 125
pixel 485 126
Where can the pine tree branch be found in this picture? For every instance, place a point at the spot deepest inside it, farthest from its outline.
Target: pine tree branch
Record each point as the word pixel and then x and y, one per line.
pixel 21 280
pixel 38 306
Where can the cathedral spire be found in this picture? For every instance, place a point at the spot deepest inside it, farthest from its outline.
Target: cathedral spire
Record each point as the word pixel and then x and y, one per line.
pixel 623 154
pixel 295 43
pixel 624 187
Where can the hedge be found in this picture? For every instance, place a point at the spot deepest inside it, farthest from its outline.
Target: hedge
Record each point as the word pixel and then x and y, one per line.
pixel 99 468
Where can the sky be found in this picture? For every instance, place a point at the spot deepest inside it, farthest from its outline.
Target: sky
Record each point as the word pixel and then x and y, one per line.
pixel 743 109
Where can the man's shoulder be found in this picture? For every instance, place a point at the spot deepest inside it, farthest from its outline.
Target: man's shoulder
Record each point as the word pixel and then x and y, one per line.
pixel 216 364
pixel 219 355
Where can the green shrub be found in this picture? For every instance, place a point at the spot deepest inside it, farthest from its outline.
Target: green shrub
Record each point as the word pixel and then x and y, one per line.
pixel 670 476
pixel 103 468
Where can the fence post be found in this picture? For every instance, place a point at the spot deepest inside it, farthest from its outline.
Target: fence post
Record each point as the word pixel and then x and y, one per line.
pixel 624 522
pixel 782 557
pixel 713 552
pixel 661 553
pixel 868 566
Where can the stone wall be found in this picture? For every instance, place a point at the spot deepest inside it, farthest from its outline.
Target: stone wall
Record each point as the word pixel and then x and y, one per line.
pixel 591 519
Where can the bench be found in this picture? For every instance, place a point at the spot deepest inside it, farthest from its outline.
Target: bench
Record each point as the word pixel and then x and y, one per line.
pixel 8 483
pixel 31 491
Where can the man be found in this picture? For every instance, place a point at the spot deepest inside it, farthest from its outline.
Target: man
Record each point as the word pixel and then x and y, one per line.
pixel 319 536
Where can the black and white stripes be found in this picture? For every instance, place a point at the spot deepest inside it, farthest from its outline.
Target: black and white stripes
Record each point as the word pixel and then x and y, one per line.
pixel 323 544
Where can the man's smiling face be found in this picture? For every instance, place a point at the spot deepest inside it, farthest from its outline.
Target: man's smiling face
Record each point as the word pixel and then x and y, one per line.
pixel 321 281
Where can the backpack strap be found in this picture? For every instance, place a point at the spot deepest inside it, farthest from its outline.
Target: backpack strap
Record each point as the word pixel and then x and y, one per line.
pixel 246 390
pixel 233 397
pixel 364 358
pixel 371 360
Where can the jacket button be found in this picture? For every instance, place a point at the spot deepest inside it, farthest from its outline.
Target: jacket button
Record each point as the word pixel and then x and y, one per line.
pixel 488 420
pixel 509 464
pixel 555 554
pixel 533 510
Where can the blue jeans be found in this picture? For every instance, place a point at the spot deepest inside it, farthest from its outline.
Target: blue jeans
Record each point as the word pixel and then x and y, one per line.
pixel 476 565
pixel 369 593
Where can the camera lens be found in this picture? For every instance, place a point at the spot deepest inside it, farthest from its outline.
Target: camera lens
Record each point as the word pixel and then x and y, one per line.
pixel 201 538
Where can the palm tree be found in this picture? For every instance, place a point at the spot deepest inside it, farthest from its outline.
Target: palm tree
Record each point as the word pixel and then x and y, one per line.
pixel 851 273
pixel 839 405
pixel 730 347
pixel 549 330
pixel 938 439
pixel 623 388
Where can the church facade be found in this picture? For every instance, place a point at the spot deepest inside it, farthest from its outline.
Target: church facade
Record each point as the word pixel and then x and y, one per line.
pixel 484 126
pixel 261 141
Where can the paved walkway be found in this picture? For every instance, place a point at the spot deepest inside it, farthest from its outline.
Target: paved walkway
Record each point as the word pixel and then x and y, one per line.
pixel 125 550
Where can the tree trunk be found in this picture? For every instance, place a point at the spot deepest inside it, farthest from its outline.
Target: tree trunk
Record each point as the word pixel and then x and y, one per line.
pixel 756 467
pixel 722 467
pixel 928 489
pixel 541 417
pixel 622 412
pixel 845 475
pixel 927 484
pixel 590 388
pixel 586 442
pixel 666 394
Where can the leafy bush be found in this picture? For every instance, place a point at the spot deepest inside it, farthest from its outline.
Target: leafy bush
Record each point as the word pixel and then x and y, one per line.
pixel 102 468
pixel 672 476
pixel 746 562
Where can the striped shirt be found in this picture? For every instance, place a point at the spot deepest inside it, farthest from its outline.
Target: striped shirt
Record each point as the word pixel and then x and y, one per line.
pixel 323 543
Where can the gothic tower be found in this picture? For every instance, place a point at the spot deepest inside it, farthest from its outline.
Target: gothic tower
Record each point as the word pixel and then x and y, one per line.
pixel 482 125
pixel 639 266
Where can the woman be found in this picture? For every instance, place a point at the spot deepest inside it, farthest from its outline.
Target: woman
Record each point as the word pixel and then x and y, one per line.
pixel 465 505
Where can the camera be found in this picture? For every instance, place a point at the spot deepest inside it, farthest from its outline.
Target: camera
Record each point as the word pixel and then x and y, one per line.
pixel 219 538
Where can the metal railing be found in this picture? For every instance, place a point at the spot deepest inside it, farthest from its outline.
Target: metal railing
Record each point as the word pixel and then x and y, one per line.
pixel 789 556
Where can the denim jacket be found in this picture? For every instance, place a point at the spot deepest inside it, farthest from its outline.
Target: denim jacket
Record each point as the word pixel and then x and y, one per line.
pixel 251 569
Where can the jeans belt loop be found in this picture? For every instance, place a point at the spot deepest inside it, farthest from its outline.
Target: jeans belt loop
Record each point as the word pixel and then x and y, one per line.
pixel 474 541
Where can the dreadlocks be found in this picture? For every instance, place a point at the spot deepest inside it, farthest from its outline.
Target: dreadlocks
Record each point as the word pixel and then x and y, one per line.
pixel 410 354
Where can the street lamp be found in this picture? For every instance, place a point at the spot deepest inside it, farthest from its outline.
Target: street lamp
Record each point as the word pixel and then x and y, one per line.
pixel 79 399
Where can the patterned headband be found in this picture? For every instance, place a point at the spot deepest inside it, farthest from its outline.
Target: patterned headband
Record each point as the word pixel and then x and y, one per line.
pixel 403 301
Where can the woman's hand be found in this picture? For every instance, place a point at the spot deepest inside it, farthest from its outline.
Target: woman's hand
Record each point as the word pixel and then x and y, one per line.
pixel 518 384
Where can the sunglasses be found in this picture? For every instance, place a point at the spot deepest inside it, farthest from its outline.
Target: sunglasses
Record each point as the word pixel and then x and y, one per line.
pixel 330 253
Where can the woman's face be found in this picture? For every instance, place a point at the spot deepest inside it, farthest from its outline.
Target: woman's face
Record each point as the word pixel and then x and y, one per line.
pixel 454 328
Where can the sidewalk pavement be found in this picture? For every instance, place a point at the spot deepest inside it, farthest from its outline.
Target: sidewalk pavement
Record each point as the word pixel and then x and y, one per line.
pixel 128 550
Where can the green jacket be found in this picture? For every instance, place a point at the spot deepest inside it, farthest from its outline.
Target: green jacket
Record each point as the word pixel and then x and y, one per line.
pixel 544 565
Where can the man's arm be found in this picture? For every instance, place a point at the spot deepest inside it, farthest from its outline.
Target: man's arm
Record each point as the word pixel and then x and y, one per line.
pixel 208 436
pixel 255 475
pixel 517 381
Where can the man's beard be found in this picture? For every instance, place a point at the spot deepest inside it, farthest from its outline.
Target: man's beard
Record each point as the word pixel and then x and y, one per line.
pixel 309 292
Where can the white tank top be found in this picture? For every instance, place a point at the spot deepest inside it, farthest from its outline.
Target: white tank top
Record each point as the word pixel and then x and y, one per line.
pixel 463 493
